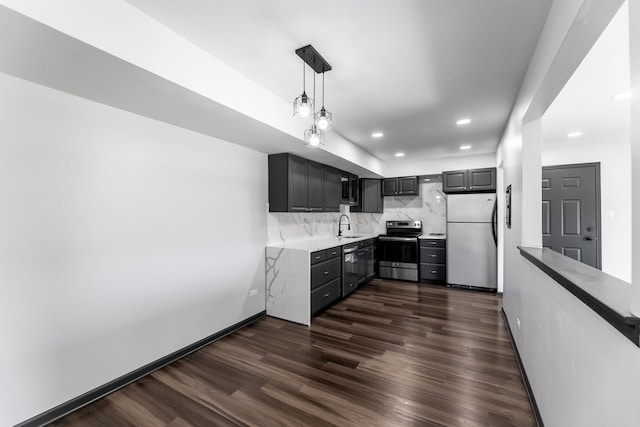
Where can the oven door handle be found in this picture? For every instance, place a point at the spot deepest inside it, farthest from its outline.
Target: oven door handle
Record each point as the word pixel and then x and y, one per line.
pixel 397 239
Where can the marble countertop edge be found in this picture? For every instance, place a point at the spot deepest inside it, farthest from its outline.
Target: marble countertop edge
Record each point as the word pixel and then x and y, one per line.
pixel 321 243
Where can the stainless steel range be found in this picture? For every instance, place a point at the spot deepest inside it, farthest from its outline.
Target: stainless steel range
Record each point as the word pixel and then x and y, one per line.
pixel 398 250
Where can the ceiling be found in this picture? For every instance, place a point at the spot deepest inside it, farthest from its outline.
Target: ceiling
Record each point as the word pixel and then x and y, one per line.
pixel 408 68
pixel 585 104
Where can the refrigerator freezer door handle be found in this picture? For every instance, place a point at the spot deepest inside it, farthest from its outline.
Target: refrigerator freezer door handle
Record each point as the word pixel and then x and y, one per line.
pixel 494 220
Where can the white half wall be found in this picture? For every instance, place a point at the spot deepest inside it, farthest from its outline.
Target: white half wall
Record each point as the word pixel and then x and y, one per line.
pixel 118 243
pixel 615 189
pixel 584 372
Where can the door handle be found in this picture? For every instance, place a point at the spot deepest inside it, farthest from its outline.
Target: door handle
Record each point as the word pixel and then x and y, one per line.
pixel 589 238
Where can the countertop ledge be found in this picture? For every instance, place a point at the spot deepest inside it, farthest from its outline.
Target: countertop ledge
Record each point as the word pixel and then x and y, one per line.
pixel 606 295
pixel 319 244
pixel 430 237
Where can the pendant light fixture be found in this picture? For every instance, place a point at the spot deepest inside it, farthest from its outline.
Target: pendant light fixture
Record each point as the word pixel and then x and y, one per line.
pixel 324 117
pixel 314 137
pixel 303 106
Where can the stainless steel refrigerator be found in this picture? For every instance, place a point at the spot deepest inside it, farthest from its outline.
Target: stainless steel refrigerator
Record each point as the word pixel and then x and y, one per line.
pixel 472 240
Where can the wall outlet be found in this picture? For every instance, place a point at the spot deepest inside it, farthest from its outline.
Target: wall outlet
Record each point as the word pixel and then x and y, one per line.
pixel 518 322
pixel 253 292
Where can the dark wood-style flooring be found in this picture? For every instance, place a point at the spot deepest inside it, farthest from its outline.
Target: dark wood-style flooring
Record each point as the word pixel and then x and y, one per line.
pixel 391 354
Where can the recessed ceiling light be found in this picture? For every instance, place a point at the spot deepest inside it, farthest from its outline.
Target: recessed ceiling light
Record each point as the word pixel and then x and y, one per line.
pixel 623 95
pixel 574 134
pixel 399 154
pixel 465 147
pixel 377 135
pixel 463 122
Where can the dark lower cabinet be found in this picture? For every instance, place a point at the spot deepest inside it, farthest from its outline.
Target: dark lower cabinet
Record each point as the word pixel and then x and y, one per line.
pixel 327 265
pixel 433 260
pixel 366 261
pixel 325 295
pixel 326 278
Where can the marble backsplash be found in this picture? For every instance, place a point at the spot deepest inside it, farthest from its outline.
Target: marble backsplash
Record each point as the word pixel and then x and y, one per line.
pixel 429 206
pixel 291 227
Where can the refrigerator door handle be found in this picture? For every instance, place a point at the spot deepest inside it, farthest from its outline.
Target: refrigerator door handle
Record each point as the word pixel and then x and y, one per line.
pixel 494 222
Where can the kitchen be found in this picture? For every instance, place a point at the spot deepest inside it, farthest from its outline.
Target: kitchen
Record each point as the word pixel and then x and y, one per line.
pixel 92 155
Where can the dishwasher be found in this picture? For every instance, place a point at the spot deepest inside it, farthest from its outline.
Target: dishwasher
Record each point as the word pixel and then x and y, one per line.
pixel 350 270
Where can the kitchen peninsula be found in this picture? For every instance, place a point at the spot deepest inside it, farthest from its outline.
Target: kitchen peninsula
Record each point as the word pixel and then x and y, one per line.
pixel 289 278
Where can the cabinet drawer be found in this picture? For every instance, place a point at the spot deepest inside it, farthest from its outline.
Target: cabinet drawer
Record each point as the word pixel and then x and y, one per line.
pixel 433 255
pixel 325 272
pixel 348 287
pixel 433 272
pixel 317 257
pixel 334 252
pixel 325 295
pixel 433 243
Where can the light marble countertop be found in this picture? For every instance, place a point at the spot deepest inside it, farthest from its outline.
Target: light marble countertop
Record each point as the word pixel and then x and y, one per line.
pixel 430 237
pixel 312 245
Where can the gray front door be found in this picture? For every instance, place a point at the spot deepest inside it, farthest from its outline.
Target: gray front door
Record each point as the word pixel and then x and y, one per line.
pixel 571 211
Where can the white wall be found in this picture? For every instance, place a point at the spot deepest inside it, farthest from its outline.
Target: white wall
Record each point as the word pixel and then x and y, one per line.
pixel 421 166
pixel 615 189
pixel 118 243
pixel 582 371
pixel 634 50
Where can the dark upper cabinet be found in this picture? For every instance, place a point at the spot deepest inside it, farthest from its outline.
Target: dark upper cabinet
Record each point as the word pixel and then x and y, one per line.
pixel 332 189
pixel 454 181
pixel 469 181
pixel 408 185
pixel 300 185
pixel 390 187
pixel 315 187
pixel 297 180
pixel 295 184
pixel 482 179
pixel 405 186
pixel 370 196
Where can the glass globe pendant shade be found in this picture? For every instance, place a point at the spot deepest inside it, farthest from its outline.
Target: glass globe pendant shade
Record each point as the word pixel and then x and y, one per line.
pixel 313 137
pixel 302 106
pixel 324 119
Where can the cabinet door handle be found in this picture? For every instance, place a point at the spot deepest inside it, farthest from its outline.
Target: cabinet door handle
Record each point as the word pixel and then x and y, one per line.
pixel 434 271
pixel 327 294
pixel 326 272
pixel 317 256
pixel 432 255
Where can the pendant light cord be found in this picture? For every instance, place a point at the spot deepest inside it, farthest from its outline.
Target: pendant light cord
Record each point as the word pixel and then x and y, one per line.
pixel 323 88
pixel 304 72
pixel 314 92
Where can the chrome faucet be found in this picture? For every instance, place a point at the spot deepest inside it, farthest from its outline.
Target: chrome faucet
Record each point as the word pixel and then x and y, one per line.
pixel 340 224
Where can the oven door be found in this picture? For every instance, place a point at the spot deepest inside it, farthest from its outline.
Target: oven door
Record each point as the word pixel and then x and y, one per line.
pixel 399 252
